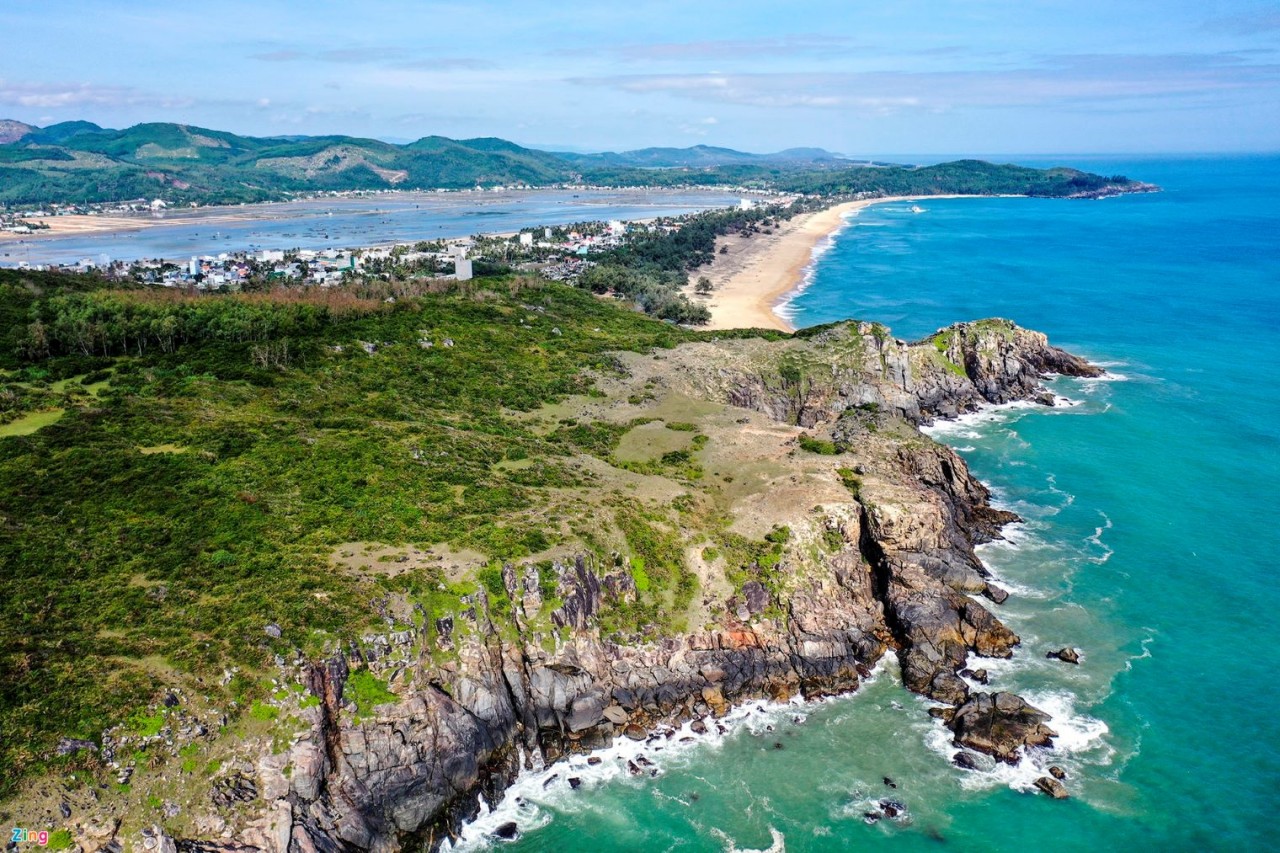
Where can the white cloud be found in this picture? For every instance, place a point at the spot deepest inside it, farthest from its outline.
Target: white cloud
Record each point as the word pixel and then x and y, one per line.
pixel 62 95
pixel 1060 80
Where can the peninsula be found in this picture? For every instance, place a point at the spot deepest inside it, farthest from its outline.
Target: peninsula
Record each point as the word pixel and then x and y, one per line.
pixel 356 556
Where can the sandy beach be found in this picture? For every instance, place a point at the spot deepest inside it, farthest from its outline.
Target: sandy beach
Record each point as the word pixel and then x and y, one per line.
pixel 753 276
pixel 79 223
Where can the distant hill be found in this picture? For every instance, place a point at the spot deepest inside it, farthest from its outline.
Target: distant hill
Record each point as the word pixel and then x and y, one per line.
pixel 698 156
pixel 82 162
pixel 78 161
pixel 12 131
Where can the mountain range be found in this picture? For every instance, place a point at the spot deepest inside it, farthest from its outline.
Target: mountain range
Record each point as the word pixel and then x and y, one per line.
pixel 80 162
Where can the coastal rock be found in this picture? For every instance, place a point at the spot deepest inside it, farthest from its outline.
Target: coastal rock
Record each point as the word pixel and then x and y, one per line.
pixel 966 761
pixel 1066 655
pixel 1000 725
pixel 1052 787
pixel 1057 772
pixel 995 593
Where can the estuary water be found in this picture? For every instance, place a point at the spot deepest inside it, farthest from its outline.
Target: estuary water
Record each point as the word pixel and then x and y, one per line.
pixel 342 223
pixel 1150 544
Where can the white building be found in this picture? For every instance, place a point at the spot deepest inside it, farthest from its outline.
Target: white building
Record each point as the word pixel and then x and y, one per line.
pixel 745 204
pixel 526 238
pixel 268 256
pixel 462 269
pixel 194 267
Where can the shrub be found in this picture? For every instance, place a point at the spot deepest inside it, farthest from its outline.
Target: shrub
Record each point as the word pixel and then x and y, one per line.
pixel 818 445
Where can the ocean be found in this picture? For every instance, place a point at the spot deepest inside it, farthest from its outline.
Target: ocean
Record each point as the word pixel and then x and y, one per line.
pixel 1149 544
pixel 341 223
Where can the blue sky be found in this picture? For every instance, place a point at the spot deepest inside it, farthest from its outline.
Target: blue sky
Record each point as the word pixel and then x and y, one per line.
pixel 977 77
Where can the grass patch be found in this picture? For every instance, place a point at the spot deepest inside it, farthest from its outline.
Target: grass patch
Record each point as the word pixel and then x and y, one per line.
pixel 367 691
pixel 263 712
pixel 820 446
pixel 28 424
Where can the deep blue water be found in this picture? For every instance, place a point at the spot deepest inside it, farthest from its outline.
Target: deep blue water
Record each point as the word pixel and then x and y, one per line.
pixel 1150 544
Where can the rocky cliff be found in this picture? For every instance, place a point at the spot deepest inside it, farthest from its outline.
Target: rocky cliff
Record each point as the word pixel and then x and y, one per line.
pixel 893 517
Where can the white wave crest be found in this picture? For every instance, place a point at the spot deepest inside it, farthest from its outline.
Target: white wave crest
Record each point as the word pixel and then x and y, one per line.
pixel 779 844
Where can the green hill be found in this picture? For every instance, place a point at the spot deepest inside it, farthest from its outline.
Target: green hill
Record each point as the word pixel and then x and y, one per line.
pixel 79 161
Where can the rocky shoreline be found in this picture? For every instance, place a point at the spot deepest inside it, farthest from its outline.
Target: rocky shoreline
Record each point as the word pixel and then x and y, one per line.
pixel 899 576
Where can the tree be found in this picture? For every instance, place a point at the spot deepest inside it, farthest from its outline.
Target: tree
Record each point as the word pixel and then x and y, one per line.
pixel 704 285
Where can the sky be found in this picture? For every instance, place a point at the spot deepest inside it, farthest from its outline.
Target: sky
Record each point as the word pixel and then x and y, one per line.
pixel 860 78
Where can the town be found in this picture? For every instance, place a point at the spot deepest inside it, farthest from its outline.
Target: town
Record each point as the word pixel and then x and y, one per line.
pixel 559 253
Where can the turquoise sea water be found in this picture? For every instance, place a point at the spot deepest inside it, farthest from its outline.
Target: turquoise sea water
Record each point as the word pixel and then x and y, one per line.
pixel 1150 544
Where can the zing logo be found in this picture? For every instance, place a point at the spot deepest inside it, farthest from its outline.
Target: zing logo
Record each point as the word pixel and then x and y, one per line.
pixel 31 836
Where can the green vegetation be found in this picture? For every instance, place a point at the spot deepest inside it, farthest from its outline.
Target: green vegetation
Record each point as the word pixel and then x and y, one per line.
pixel 145 725
pixel 128 571
pixel 263 712
pixel 747 559
pixel 851 481
pixel 367 691
pixel 821 446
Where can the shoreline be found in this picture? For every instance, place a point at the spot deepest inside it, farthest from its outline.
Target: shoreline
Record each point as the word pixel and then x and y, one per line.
pixel 81 224
pixel 758 274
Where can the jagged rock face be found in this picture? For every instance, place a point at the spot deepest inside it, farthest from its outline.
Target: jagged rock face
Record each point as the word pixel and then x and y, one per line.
pixel 412 774
pixel 815 379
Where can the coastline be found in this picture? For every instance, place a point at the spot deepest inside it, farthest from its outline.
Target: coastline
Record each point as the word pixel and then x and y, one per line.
pixel 80 224
pixel 757 274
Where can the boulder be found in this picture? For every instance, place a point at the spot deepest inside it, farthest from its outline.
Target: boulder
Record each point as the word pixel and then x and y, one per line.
pixel 508 831
pixel 635 732
pixel 755 596
pixel 616 715
pixel 68 745
pixel 1052 787
pixel 966 761
pixel 586 711
pixel 1057 772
